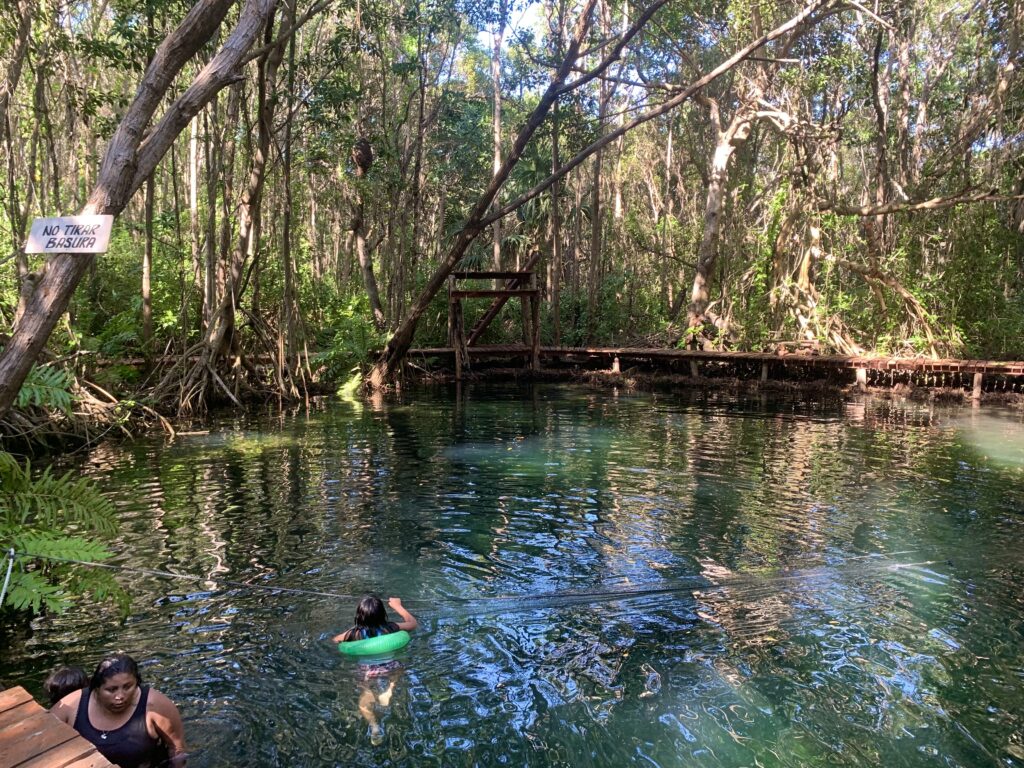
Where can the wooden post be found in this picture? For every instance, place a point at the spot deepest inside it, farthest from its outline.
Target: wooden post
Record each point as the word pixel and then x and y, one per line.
pixel 694 369
pixel 456 336
pixel 862 379
pixel 976 392
pixel 764 372
pixel 451 312
pixel 457 343
pixel 535 324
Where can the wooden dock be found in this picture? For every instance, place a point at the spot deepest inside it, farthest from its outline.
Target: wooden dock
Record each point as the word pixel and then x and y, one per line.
pixel 30 737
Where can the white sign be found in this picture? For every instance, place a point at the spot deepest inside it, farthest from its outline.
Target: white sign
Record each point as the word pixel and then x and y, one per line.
pixel 70 234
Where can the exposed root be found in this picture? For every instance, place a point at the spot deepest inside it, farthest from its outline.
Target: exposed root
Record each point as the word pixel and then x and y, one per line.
pixel 218 371
pixel 97 416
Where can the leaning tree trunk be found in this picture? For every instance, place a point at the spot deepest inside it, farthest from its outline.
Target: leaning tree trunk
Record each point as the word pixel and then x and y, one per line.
pixel 219 336
pixel 366 262
pixel 133 153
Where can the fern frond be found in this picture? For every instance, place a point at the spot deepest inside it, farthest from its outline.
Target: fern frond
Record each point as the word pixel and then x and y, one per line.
pixel 49 519
pixel 48 388
pixel 54 502
pixel 48 545
pixel 30 591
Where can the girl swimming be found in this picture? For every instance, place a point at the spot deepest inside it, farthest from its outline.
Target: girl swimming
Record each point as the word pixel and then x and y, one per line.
pixel 372 621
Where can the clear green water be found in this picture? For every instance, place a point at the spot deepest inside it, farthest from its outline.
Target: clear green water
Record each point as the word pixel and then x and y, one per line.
pixel 603 580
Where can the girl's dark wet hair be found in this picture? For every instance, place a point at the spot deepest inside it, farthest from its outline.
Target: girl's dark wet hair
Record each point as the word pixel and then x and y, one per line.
pixel 371 612
pixel 63 681
pixel 115 665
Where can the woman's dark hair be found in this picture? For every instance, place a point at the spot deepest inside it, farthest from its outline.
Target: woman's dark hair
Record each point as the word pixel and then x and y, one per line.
pixel 115 665
pixel 371 613
pixel 63 681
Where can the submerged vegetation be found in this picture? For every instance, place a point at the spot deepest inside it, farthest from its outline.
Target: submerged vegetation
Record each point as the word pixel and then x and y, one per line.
pixel 723 175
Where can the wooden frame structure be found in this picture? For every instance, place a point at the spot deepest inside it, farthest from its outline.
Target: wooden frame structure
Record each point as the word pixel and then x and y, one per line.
pixel 520 284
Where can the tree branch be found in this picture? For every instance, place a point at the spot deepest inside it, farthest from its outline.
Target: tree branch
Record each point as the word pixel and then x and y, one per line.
pixel 934 204
pixel 666 106
pixel 614 54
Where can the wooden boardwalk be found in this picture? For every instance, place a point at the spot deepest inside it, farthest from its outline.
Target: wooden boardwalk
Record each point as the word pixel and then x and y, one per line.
pixel 607 356
pixel 30 737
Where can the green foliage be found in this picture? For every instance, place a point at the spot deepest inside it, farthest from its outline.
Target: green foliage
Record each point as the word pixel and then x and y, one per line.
pixel 49 520
pixel 351 342
pixel 624 311
pixel 47 388
pixel 117 378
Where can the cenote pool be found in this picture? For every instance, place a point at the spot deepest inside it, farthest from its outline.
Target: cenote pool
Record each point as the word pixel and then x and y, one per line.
pixel 602 579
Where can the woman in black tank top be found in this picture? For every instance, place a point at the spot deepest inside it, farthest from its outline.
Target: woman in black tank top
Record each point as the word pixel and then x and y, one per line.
pixel 129 746
pixel 131 724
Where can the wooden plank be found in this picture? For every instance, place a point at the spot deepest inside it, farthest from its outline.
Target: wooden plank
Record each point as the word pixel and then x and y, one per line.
pixel 491 292
pixel 64 755
pixel 31 737
pixel 490 275
pixel 95 760
pixel 14 715
pixel 835 362
pixel 14 697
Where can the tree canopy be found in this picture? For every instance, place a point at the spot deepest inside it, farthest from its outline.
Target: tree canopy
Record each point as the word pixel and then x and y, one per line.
pixel 293 181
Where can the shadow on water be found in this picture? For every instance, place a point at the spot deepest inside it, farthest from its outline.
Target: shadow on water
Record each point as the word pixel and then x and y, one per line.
pixel 602 579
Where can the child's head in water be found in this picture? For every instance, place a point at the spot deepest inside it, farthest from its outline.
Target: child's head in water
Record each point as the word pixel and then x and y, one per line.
pixel 371 612
pixel 63 681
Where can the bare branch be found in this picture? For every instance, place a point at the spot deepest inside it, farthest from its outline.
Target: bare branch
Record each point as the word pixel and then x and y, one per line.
pixel 934 204
pixel 871 14
pixel 666 106
pixel 314 10
pixel 614 54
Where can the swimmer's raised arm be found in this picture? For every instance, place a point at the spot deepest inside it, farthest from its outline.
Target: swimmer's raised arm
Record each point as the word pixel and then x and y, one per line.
pixel 408 621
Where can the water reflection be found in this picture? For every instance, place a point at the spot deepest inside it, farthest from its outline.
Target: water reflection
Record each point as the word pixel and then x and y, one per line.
pixel 631 580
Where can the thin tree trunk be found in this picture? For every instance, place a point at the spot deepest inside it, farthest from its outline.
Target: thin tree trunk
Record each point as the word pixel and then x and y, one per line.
pixel 9 83
pixel 707 252
pixel 499 35
pixel 596 211
pixel 212 162
pixel 366 264
pixel 193 199
pixel 423 120
pixel 286 357
pixel 225 271
pixel 666 204
pixel 147 276
pixel 555 265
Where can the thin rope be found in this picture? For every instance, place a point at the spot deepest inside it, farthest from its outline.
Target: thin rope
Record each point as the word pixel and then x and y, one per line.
pixel 690 584
pixel 7 578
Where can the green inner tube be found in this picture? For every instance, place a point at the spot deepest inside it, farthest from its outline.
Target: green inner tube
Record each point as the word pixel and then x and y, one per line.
pixel 373 646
